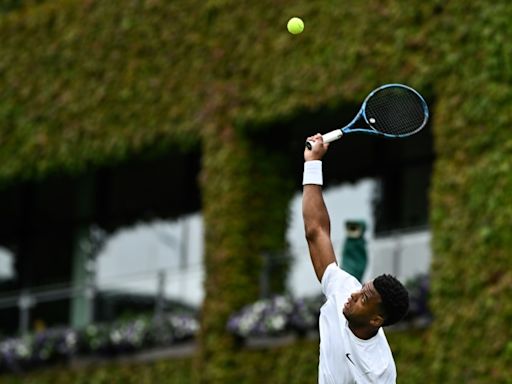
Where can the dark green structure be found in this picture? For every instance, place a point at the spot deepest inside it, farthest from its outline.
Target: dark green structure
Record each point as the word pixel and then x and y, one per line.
pixel 86 84
pixel 354 255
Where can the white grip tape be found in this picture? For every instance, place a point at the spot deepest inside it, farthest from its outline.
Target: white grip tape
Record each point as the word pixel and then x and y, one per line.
pixel 332 136
pixel 313 173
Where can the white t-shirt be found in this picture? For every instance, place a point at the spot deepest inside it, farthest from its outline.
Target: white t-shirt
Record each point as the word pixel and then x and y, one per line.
pixel 344 358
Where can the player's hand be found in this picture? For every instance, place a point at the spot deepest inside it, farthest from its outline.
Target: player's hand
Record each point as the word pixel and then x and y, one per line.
pixel 318 150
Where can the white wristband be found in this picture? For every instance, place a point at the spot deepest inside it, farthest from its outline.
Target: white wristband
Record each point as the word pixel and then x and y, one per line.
pixel 313 173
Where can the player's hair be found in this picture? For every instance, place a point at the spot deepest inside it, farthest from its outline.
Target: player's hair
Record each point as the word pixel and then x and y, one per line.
pixel 395 298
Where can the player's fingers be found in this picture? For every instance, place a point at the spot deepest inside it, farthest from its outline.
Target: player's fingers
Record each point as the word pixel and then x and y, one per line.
pixel 311 139
pixel 314 138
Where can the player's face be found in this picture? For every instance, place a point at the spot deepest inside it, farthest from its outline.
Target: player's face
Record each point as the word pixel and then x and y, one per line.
pixel 363 306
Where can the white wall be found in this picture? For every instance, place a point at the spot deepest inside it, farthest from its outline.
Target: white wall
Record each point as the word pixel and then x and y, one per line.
pixel 133 257
pixel 402 254
pixel 6 264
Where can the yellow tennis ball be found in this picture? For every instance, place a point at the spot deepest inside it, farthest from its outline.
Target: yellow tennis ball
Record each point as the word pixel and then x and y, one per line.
pixel 295 25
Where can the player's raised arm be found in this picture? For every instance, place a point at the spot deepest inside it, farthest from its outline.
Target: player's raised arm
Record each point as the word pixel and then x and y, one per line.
pixel 316 218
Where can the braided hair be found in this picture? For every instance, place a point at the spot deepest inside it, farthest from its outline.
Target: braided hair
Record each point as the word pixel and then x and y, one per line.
pixel 395 298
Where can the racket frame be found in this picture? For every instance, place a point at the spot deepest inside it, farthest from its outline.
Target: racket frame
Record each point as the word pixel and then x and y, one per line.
pixel 361 115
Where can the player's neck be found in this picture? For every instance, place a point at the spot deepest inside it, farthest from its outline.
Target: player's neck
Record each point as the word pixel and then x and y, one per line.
pixel 364 332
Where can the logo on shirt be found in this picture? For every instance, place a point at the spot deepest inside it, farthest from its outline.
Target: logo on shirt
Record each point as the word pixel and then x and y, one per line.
pixel 349 359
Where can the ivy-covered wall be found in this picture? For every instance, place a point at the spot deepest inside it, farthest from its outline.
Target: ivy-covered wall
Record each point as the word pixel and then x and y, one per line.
pixel 12 5
pixel 88 82
pixel 246 192
pixel 84 83
pixel 472 195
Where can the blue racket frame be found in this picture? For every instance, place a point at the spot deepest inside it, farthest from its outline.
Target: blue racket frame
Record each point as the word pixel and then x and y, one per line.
pixel 361 115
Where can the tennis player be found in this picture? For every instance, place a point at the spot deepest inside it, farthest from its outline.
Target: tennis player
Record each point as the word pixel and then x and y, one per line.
pixel 353 347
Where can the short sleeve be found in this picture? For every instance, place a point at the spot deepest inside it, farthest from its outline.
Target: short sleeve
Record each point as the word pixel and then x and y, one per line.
pixel 335 280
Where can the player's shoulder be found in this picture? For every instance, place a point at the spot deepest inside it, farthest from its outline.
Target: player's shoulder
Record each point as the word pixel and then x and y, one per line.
pixel 335 280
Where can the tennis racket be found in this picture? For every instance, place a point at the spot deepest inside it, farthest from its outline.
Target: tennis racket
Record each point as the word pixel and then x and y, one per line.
pixel 392 110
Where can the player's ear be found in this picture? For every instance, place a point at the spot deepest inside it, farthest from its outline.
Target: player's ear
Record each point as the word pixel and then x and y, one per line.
pixel 377 320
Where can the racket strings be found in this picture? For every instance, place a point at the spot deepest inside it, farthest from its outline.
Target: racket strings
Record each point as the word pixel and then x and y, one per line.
pixel 395 111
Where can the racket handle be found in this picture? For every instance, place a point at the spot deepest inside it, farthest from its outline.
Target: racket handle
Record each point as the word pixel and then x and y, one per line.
pixel 328 137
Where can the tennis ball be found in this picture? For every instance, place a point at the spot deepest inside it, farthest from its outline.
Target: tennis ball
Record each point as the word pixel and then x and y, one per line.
pixel 295 25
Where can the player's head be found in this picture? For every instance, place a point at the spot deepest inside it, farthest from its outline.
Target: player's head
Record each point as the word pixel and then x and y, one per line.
pixel 394 298
pixel 380 302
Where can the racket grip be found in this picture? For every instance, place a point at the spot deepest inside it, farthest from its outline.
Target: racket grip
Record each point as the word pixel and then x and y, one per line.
pixel 328 137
